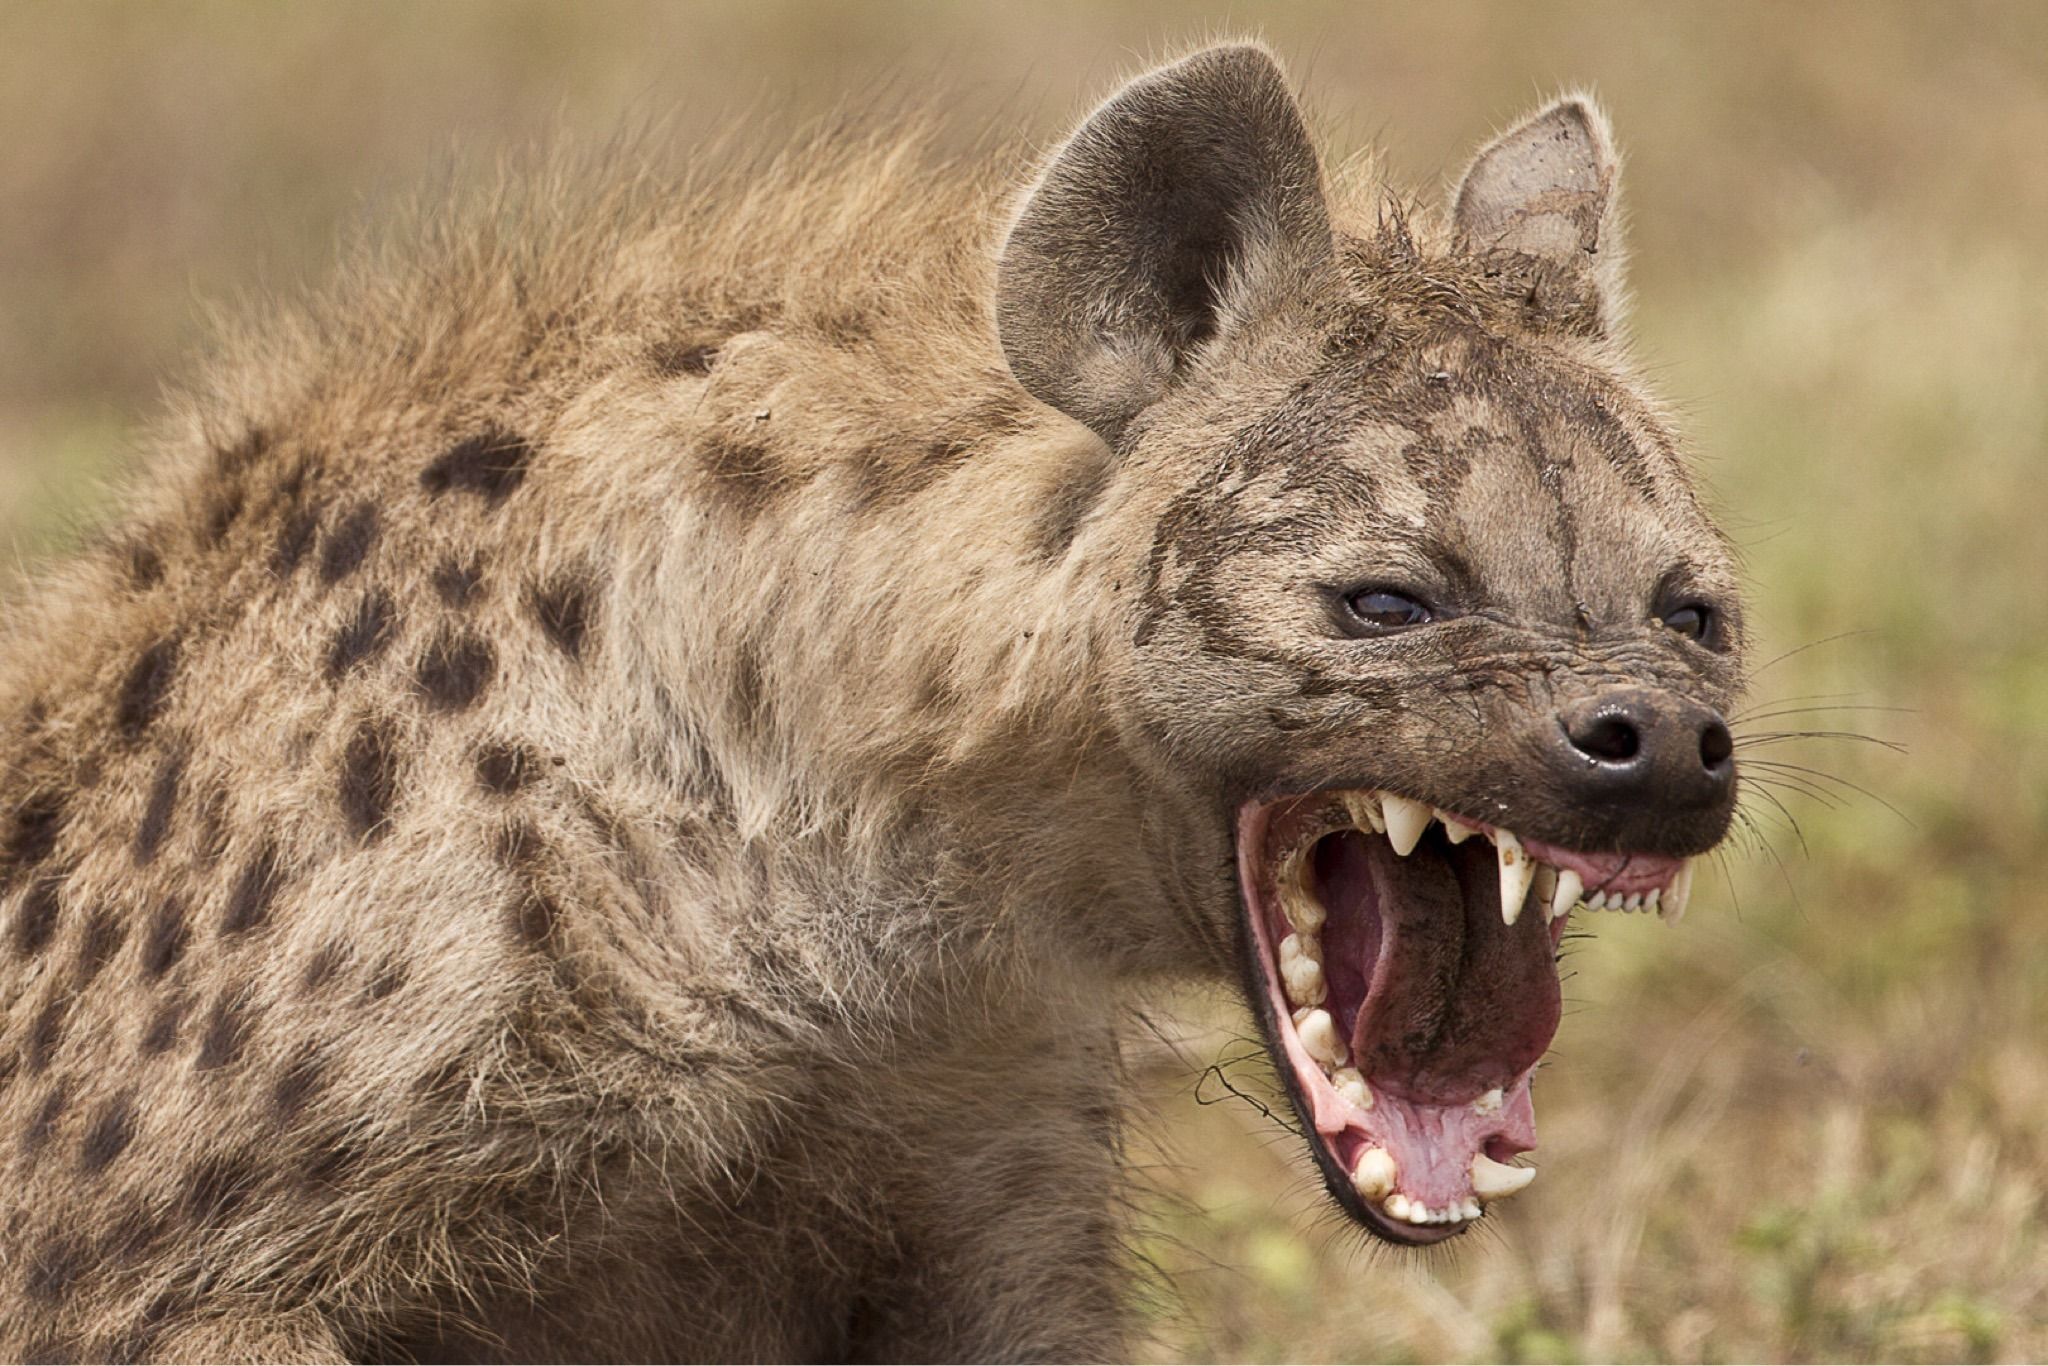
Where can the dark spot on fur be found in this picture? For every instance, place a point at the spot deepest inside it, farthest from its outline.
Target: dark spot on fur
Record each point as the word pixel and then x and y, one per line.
pixel 390 977
pixel 490 465
pixel 369 780
pixel 37 824
pixel 217 1187
pixel 162 1034
pixel 321 968
pixel 145 566
pixel 363 636
pixel 165 942
pixel 682 358
pixel 456 582
pixel 53 1265
pixel 294 539
pixel 146 687
pixel 43 1126
pixel 505 768
pixel 296 1086
pixel 35 919
pixel 333 1161
pixel 45 1033
pixel 227 1027
pixel 743 474
pixel 221 515
pixel 104 934
pixel 565 608
pixel 533 916
pixel 254 893
pixel 244 453
pixel 347 545
pixel 156 813
pixel 111 1131
pixel 455 670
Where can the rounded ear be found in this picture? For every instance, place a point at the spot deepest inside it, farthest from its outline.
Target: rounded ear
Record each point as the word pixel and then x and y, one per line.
pixel 1181 205
pixel 1539 204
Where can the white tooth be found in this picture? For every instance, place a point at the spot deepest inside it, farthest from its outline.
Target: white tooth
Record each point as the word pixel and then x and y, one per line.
pixel 1545 885
pixel 1350 1084
pixel 1365 811
pixel 1406 822
pixel 1673 909
pixel 1570 887
pixel 1301 969
pixel 1297 903
pixel 1455 830
pixel 1397 1205
pixel 1516 871
pixel 1634 902
pixel 1375 1174
pixel 1488 1104
pixel 1318 1033
pixel 1493 1180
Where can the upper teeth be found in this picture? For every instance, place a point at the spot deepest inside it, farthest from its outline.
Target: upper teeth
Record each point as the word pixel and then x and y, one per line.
pixel 1404 821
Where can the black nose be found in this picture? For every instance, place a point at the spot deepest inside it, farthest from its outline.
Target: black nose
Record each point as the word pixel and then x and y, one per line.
pixel 1648 746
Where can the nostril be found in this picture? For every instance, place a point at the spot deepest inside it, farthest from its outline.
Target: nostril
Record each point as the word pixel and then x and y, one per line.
pixel 1716 744
pixel 1611 739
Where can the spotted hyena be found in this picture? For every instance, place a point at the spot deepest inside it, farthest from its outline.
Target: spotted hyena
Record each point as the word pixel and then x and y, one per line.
pixel 606 792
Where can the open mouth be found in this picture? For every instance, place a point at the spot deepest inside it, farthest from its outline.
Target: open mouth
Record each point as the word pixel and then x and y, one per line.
pixel 1408 979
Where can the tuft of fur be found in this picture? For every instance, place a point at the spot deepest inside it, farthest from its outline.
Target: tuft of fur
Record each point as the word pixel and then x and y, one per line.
pixel 604 793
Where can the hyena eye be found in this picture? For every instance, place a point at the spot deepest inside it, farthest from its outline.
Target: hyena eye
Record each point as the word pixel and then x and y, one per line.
pixel 1380 609
pixel 1693 621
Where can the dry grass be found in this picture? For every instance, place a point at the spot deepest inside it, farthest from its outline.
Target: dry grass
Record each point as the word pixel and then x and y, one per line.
pixel 1810 1124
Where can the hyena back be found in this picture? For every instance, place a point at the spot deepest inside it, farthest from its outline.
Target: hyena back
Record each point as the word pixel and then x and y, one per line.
pixel 603 800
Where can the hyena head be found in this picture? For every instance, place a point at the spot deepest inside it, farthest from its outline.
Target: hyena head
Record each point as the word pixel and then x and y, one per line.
pixel 1423 637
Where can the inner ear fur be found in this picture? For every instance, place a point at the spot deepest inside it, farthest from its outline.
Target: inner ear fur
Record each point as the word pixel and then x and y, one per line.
pixel 1539 205
pixel 1183 203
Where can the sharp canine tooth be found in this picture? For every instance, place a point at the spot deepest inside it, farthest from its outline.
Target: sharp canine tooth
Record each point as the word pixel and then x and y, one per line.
pixel 1673 909
pixel 1488 1104
pixel 1516 871
pixel 1493 1180
pixel 1406 822
pixel 1318 1033
pixel 1301 969
pixel 1570 887
pixel 1375 1174
pixel 1350 1084
pixel 1365 811
pixel 1297 903
pixel 1455 830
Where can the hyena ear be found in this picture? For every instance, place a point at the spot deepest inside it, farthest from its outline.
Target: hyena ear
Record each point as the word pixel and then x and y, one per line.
pixel 1538 204
pixel 1190 202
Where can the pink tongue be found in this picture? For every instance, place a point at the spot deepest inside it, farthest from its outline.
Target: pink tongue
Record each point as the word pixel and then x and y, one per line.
pixel 1455 1003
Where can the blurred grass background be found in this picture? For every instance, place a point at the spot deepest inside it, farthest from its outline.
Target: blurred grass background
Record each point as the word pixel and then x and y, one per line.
pixel 1810 1124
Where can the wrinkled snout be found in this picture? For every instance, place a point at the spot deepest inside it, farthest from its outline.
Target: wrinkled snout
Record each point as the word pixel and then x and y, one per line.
pixel 1656 768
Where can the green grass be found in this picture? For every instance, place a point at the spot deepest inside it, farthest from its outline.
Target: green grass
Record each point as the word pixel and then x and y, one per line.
pixel 1812 1123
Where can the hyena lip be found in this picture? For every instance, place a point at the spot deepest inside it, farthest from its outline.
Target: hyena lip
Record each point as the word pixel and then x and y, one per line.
pixel 1407 998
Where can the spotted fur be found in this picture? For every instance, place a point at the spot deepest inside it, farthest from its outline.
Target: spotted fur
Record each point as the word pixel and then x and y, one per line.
pixel 608 791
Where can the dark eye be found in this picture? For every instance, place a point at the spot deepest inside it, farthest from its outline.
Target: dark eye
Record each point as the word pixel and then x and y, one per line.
pixel 1379 609
pixel 1693 621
